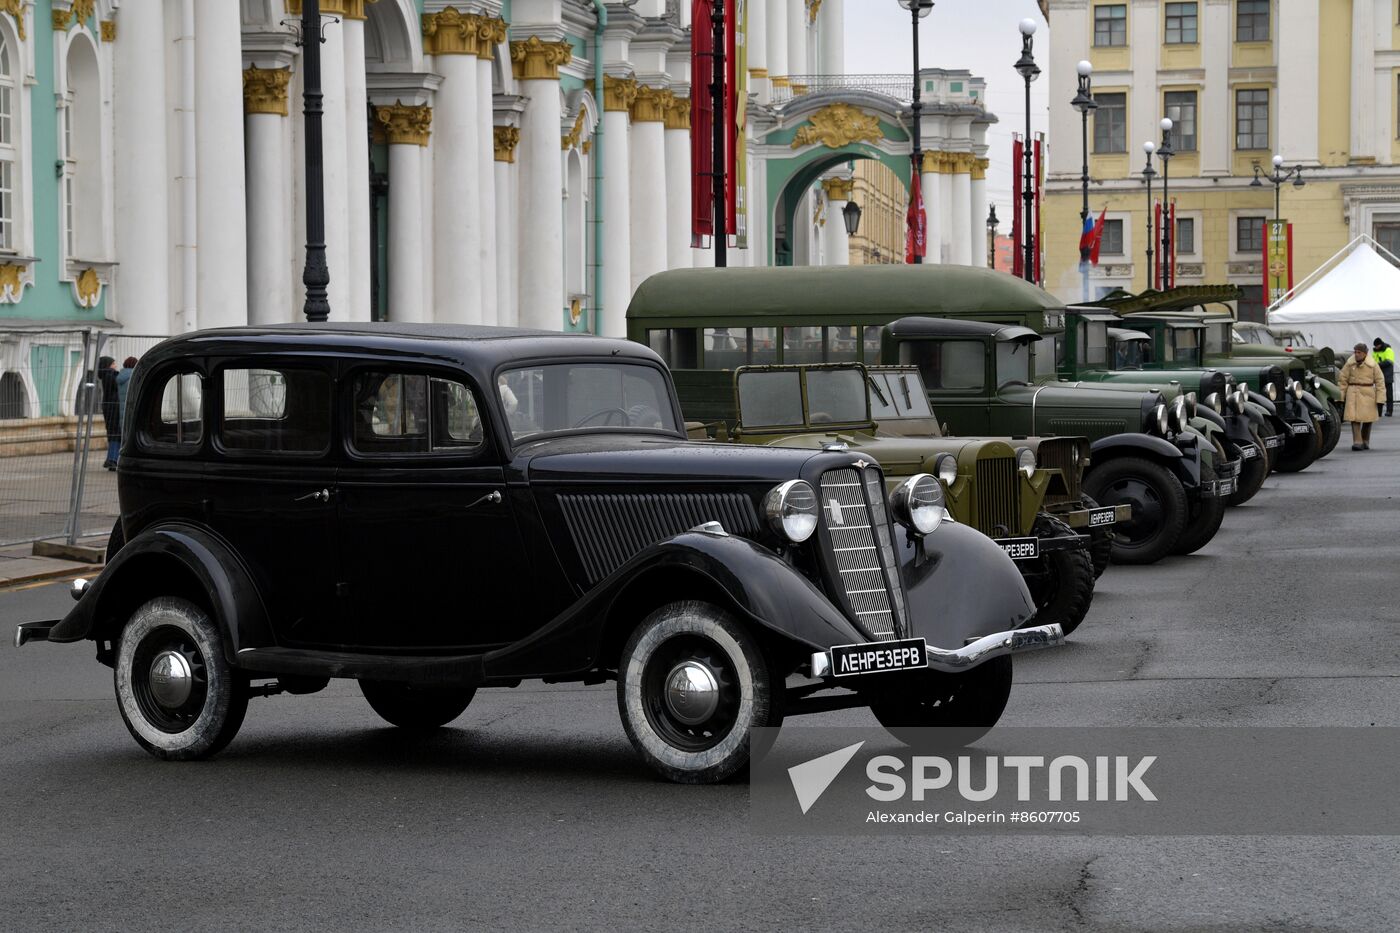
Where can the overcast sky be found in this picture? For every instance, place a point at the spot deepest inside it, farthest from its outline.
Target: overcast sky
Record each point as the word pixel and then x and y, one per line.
pixel 979 35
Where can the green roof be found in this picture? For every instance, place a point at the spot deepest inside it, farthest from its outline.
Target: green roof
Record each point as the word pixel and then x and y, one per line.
pixel 891 290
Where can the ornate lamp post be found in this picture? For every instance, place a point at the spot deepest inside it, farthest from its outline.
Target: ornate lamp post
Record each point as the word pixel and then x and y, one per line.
pixel 1165 153
pixel 316 275
pixel 1148 173
pixel 918 9
pixel 992 238
pixel 1029 71
pixel 1278 176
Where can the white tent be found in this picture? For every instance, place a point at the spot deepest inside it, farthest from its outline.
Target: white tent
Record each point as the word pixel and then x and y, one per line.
pixel 1354 301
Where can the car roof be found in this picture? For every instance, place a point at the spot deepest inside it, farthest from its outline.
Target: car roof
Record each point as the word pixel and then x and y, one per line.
pixel 1123 333
pixel 952 327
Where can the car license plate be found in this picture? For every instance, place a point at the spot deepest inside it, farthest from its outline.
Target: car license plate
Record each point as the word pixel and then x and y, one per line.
pixel 1020 548
pixel 1273 440
pixel 1302 429
pixel 1225 487
pixel 1249 452
pixel 1101 517
pixel 878 657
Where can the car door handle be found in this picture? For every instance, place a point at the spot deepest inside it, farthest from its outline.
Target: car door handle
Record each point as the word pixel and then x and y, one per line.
pixel 320 495
pixel 493 497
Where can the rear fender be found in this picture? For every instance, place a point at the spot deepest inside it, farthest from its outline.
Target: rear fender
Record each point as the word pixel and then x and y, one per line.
pixel 172 559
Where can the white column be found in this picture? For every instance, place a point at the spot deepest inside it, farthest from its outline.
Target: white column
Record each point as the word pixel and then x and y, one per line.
pixel 836 248
pixel 270 288
pixel 506 184
pixel 618 96
pixel 456 215
pixel 928 183
pixel 356 273
pixel 541 233
pixel 947 224
pixel 961 211
pixel 678 206
pixel 797 37
pixel 335 181
pixel 777 21
pixel 648 198
pixel 832 22
pixel 1215 136
pixel 757 48
pixel 142 175
pixel 222 283
pixel 486 187
pixel 406 128
pixel 1363 86
pixel 977 223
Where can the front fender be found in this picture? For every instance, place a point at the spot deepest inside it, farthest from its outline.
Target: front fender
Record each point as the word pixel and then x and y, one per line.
pixel 1182 458
pixel 150 565
pixel 961 587
pixel 1263 402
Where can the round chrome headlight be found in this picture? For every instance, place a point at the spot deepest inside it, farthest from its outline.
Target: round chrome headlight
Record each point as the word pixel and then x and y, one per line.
pixel 1214 404
pixel 1160 418
pixel 1178 417
pixel 1271 391
pixel 945 466
pixel 1191 404
pixel 1316 383
pixel 917 503
pixel 1242 395
pixel 1297 388
pixel 1025 461
pixel 791 508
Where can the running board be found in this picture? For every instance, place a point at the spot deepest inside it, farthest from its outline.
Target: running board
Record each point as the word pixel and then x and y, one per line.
pixel 465 670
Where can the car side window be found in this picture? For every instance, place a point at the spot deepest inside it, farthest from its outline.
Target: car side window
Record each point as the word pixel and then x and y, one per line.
pixel 174 413
pixel 275 410
pixel 954 365
pixel 414 413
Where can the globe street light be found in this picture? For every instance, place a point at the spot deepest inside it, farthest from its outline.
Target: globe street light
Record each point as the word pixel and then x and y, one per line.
pixel 1165 153
pixel 1148 172
pixel 1278 176
pixel 1029 70
pixel 918 9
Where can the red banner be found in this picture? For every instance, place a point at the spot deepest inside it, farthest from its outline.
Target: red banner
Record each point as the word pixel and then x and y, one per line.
pixel 1171 260
pixel 916 221
pixel 702 124
pixel 1018 156
pixel 1156 270
pixel 1039 256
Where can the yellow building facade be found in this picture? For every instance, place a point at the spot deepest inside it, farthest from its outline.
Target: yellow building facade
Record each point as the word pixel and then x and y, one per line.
pixel 884 203
pixel 1314 81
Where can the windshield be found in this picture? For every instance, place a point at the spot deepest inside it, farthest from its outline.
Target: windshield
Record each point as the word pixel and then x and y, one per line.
pixel 836 396
pixel 947 365
pixel 1186 345
pixel 1048 353
pixel 898 395
pixel 1013 362
pixel 585 396
pixel 1290 338
pixel 1218 337
pixel 1127 354
pixel 1093 343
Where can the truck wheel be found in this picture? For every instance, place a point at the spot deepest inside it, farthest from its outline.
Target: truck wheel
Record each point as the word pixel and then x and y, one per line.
pixel 177 694
pixel 1206 516
pixel 1063 587
pixel 1158 501
pixel 691 684
pixel 1253 473
pixel 1333 434
pixel 418 709
pixel 968 704
pixel 1297 453
pixel 1100 541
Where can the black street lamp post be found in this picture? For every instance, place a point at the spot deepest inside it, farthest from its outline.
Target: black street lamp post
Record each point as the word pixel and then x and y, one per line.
pixel 1165 153
pixel 1084 102
pixel 992 238
pixel 918 9
pixel 1148 173
pixel 1028 70
pixel 850 216
pixel 316 275
pixel 1278 176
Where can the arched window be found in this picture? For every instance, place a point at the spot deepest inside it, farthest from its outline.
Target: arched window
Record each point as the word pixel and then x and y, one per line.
pixel 80 141
pixel 9 163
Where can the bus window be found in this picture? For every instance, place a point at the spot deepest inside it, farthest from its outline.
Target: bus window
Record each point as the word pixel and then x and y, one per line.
pixel 677 347
pixel 871 344
pixel 726 348
pixel 802 345
pixel 842 345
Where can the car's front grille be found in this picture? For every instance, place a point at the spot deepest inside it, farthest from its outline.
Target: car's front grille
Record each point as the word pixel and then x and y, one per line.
pixel 1057 453
pixel 610 528
pixel 858 527
pixel 998 497
pixel 1092 428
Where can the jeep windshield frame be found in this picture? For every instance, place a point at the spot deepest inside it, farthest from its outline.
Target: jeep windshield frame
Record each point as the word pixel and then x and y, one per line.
pixel 785 398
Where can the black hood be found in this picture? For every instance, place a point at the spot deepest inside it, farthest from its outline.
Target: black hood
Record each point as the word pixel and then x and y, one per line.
pixel 613 457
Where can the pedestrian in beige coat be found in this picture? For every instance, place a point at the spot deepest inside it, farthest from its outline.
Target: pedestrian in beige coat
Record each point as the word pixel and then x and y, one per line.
pixel 1363 386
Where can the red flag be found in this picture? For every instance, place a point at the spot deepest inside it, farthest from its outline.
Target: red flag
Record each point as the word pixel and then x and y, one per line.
pixel 1096 238
pixel 1171 260
pixel 702 116
pixel 1038 257
pixel 1018 254
pixel 1157 256
pixel 916 238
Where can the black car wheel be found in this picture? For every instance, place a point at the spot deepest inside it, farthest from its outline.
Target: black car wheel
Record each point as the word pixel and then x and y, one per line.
pixel 1332 433
pixel 1253 472
pixel 964 706
pixel 1207 513
pixel 691 684
pixel 1062 584
pixel 1100 540
pixel 1297 453
pixel 176 691
pixel 416 708
pixel 1158 501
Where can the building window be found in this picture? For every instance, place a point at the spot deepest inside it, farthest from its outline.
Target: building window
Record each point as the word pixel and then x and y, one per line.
pixel 7 149
pixel 1111 123
pixel 70 176
pixel 1249 235
pixel 1252 119
pixel 1185 236
pixel 1388 236
pixel 1112 244
pixel 1252 21
pixel 1181 23
pixel 1180 108
pixel 1111 24
pixel 1250 306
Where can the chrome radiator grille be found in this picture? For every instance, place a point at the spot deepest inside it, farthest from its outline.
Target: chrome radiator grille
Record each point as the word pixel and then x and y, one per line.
pixel 609 528
pixel 853 511
pixel 998 497
pixel 1058 454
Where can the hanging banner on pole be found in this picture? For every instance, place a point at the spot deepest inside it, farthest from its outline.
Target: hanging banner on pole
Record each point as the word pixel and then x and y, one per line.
pixel 1018 156
pixel 1156 270
pixel 738 175
pixel 1039 256
pixel 702 121
pixel 916 223
pixel 1278 260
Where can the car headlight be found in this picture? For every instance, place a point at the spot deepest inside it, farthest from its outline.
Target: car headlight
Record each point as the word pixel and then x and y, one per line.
pixel 1025 461
pixel 917 503
pixel 1178 418
pixel 945 467
pixel 1316 383
pixel 1243 395
pixel 1271 391
pixel 791 508
pixel 1214 404
pixel 1298 390
pixel 1160 419
pixel 1190 404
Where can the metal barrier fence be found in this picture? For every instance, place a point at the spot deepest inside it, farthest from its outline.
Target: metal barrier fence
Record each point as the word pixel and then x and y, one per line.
pixel 54 431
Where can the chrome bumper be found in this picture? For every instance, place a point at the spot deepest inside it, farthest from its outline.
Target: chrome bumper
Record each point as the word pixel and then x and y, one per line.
pixel 955 660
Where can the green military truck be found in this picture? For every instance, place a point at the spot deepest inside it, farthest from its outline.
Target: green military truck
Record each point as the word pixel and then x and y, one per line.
pixel 1144 451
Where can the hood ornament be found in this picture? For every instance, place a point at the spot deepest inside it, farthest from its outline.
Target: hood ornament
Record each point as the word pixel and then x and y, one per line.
pixel 862 464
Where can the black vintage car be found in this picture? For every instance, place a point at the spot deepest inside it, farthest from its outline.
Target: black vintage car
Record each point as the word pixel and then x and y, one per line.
pixel 432 510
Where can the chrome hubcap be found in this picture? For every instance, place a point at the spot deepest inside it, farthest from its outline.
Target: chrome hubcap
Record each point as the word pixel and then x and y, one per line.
pixel 171 679
pixel 692 692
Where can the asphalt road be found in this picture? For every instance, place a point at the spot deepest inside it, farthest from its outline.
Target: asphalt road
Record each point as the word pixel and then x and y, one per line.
pixel 532 811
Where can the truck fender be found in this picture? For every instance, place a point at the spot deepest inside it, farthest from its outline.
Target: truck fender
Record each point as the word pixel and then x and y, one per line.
pixel 1185 464
pixel 1313 403
pixel 206 567
pixel 1211 415
pixel 960 585
pixel 1263 402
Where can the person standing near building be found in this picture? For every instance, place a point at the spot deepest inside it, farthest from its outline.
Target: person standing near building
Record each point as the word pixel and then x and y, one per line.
pixel 1385 358
pixel 124 380
pixel 1363 391
pixel 111 409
